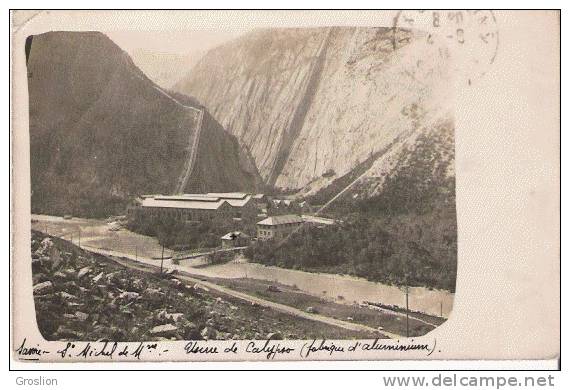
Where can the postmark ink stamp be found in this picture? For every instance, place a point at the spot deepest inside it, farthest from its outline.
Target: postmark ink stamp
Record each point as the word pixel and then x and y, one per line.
pixel 468 39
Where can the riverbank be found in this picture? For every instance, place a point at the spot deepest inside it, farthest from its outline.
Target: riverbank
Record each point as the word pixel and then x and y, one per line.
pixel 375 317
pixel 82 296
pixel 97 235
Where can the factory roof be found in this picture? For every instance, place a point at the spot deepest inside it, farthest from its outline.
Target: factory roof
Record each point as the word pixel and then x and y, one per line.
pixel 233 235
pixel 228 195
pixel 210 200
pixel 200 204
pixel 281 220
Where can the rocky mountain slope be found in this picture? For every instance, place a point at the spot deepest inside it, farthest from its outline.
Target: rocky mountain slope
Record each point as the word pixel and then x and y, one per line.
pixel 313 105
pixel 101 131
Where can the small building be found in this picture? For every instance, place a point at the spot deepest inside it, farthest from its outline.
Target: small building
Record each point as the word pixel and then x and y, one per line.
pixel 235 239
pixel 278 226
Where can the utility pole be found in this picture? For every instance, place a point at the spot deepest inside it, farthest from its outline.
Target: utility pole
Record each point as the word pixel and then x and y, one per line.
pixel 162 259
pixel 407 312
pixel 441 308
pixel 79 241
pixel 407 276
pixel 136 253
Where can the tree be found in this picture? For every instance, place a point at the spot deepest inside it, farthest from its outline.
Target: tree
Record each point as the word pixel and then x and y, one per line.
pixel 167 228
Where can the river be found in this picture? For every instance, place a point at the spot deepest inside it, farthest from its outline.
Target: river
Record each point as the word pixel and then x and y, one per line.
pixel 341 288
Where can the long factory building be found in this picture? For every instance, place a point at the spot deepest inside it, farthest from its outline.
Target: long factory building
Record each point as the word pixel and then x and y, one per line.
pixel 199 207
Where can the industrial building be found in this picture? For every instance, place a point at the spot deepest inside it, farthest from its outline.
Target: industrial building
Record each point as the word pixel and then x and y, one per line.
pixel 278 226
pixel 197 207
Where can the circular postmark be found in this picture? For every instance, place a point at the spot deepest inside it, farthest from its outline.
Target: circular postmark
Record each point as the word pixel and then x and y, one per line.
pixel 470 39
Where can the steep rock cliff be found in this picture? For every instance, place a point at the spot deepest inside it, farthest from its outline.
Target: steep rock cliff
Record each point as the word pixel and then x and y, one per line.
pixel 311 105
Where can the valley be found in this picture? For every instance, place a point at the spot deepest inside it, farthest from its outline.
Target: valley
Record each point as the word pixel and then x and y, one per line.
pixel 303 288
pixel 348 141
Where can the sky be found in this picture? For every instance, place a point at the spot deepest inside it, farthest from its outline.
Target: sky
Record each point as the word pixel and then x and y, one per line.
pixel 167 56
pixel 175 42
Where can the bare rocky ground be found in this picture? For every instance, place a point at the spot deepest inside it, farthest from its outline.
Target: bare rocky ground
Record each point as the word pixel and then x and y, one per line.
pixel 82 296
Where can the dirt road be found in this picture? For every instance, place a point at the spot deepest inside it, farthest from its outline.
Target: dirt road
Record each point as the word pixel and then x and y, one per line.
pixel 185 276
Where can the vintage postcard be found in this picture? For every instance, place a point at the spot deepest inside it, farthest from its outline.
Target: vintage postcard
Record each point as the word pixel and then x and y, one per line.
pixel 285 185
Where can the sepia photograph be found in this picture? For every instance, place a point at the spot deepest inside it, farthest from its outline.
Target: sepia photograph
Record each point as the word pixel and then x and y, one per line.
pixel 253 194
pixel 201 185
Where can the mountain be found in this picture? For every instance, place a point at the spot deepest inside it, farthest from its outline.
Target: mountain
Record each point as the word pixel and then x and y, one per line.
pixel 101 132
pixel 319 106
pixel 359 122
